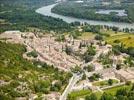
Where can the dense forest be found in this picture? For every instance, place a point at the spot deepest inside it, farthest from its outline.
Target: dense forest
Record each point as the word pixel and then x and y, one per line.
pixel 27 3
pixel 130 11
pixel 20 15
pixel 88 11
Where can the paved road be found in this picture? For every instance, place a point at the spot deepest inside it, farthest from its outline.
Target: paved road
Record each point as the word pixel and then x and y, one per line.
pixel 68 89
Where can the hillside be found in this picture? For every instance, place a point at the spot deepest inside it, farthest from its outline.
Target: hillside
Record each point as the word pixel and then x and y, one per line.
pixel 21 15
pixel 46 58
pixel 22 78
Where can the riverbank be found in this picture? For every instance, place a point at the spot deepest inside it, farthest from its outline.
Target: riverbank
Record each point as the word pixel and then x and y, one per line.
pixel 46 11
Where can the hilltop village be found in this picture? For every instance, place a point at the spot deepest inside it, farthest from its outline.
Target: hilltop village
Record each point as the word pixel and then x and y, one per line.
pixel 66 49
pixel 99 71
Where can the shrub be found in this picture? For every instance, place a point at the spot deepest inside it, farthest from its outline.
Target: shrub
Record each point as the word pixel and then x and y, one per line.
pixel 98 37
pixel 110 81
pixel 117 41
pixel 42 86
pixel 32 54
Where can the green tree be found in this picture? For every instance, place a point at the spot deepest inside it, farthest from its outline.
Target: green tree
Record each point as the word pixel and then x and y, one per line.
pixel 110 81
pixel 91 97
pixel 98 37
pixel 68 50
pixel 42 86
pixel 88 55
pixel 90 68
pixel 84 76
pixel 121 97
pixel 106 96
pixel 118 66
pixel 32 54
pixel 77 69
pixel 122 92
pixel 132 89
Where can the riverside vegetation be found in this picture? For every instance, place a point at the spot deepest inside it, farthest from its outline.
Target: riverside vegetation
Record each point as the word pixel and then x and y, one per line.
pixel 21 15
pixel 87 10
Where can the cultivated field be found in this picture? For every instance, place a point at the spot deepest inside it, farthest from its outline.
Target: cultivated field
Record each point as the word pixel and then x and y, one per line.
pixel 127 39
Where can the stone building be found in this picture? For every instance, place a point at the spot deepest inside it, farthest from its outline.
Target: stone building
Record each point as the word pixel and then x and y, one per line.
pixel 125 75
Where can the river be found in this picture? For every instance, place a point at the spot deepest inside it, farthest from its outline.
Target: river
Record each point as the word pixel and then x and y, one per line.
pixel 46 10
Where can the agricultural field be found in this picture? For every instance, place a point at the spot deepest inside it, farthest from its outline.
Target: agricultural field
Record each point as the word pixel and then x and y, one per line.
pixel 111 32
pixel 126 39
pixel 111 37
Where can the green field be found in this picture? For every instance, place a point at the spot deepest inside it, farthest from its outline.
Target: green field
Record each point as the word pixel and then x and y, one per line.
pixel 83 93
pixel 127 39
pixel 114 89
pixel 76 94
pixel 104 83
pixel 122 37
pixel 87 36
pixel 112 33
